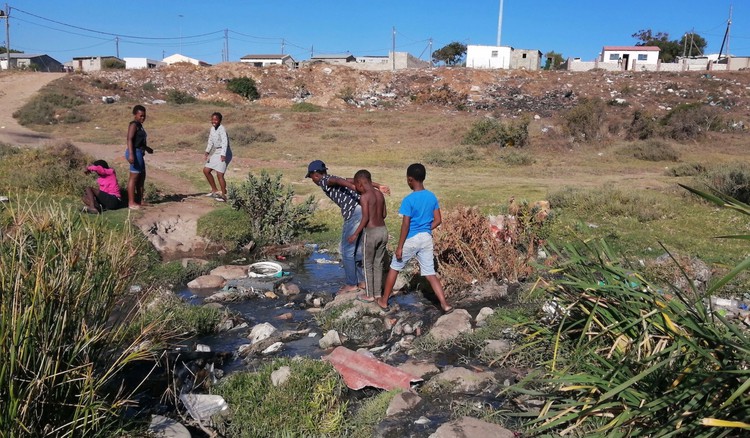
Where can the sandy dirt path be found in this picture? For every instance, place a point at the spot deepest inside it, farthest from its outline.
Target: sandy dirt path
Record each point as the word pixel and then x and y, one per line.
pixel 171 226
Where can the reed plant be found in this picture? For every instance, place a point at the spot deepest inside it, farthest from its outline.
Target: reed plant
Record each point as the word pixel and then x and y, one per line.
pixel 61 278
pixel 639 361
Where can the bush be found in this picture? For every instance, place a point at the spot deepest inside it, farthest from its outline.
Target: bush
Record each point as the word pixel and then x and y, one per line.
pixel 653 150
pixel 517 158
pixel 643 126
pixel 245 87
pixel 733 181
pixel 245 135
pixel 113 64
pixel 608 201
pixel 686 169
pixel 56 170
pixel 490 131
pixel 178 97
pixel 62 343
pixel 274 218
pixel 346 94
pixel 305 107
pixel 42 109
pixel 149 87
pixel 690 121
pixel 584 121
pixel 8 150
pixel 452 157
pixel 308 404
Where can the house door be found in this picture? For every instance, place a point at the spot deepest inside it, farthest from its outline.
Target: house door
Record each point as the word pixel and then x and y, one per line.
pixel 626 62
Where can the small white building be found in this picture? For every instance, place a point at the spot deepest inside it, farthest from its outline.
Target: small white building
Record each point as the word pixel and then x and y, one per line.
pixel 630 57
pixel 488 56
pixel 94 63
pixel 138 63
pixel 177 58
pixel 266 60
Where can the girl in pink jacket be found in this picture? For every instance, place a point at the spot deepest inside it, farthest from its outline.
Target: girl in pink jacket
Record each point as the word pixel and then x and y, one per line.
pixel 107 196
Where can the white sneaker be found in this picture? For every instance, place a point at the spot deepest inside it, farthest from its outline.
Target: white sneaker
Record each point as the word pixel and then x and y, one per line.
pixel 211 194
pixel 220 199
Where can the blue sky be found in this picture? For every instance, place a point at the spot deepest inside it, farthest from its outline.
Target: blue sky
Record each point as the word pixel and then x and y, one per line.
pixel 575 28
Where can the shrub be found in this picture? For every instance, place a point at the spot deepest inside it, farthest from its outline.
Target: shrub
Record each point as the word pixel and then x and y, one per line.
pixel 113 64
pixel 686 169
pixel 517 158
pixel 653 150
pixel 346 94
pixel 56 169
pixel 452 157
pixel 307 404
pixel 149 87
pixel 305 107
pixel 62 344
pixel 42 109
pixel 690 121
pixel 7 150
pixel 490 131
pixel 245 87
pixel 643 126
pixel 178 97
pixel 274 218
pixel 74 116
pixel 584 121
pixel 608 201
pixel 732 180
pixel 174 318
pixel 245 135
pixel 104 84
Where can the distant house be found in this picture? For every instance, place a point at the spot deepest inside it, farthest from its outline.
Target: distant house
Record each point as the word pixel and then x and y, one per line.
pixel 266 60
pixel 630 57
pixel 334 59
pixel 27 61
pixel 502 57
pixel 177 58
pixel 93 63
pixel 138 63
pixel 400 61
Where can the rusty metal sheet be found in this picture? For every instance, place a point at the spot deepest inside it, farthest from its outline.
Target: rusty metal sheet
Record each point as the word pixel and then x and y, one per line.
pixel 359 371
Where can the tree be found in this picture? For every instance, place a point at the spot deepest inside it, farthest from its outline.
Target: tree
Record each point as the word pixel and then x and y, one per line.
pixel 554 60
pixel 245 87
pixel 671 49
pixel 451 54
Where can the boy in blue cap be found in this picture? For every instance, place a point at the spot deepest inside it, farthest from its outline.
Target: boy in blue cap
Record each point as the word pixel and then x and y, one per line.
pixel 343 192
pixel 420 213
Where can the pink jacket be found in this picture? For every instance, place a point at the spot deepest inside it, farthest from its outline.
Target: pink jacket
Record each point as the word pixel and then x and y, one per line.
pixel 107 180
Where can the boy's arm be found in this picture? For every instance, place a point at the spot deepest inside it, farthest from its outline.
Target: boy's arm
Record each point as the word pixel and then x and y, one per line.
pixel 336 181
pixel 405 223
pixel 437 218
pixel 364 202
pixel 382 188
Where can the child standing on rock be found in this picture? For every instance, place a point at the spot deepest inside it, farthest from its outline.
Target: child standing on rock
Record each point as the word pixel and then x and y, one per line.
pixel 420 213
pixel 375 236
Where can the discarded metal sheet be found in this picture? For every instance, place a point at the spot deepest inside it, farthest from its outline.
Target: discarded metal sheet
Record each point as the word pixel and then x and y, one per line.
pixel 360 371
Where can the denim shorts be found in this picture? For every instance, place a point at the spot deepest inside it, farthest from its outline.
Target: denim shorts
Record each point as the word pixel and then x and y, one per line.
pixel 139 164
pixel 419 246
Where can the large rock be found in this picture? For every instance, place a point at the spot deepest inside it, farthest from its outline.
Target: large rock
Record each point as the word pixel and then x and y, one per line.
pixel 463 380
pixel 448 327
pixel 330 339
pixel 419 368
pixel 163 427
pixel 261 332
pixel 230 272
pixel 402 402
pixel 482 316
pixel 207 282
pixel 469 427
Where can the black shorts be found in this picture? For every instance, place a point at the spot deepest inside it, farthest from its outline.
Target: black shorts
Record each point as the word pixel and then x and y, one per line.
pixel 107 201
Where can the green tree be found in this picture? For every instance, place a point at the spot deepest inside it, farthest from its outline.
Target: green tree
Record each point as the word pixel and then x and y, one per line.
pixel 245 87
pixel 3 50
pixel 670 49
pixel 554 60
pixel 451 54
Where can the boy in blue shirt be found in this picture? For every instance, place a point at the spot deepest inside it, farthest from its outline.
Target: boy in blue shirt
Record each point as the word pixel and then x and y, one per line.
pixel 420 213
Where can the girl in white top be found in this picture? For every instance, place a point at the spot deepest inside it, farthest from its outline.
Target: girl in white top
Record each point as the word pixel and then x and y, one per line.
pixel 217 157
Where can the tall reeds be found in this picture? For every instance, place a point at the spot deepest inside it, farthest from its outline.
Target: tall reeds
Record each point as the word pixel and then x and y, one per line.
pixel 61 350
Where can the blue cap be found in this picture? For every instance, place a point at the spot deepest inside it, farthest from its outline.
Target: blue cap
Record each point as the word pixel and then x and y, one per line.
pixel 315 166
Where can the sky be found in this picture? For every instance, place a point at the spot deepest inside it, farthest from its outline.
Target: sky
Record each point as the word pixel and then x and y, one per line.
pixel 574 28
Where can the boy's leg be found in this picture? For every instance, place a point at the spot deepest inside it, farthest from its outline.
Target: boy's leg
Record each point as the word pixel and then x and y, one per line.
pixel 390 281
pixel 89 200
pixel 368 259
pixel 425 257
pixel 132 182
pixel 379 260
pixel 437 287
pixel 210 178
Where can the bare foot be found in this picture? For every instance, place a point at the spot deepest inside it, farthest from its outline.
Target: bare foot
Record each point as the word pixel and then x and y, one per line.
pixel 348 288
pixel 134 206
pixel 365 298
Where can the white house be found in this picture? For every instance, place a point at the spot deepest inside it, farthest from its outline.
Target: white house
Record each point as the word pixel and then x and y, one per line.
pixel 630 57
pixel 137 63
pixel 94 63
pixel 177 58
pixel 488 56
pixel 266 60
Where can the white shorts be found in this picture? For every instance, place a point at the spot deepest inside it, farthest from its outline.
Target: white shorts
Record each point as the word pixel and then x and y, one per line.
pixel 215 163
pixel 421 247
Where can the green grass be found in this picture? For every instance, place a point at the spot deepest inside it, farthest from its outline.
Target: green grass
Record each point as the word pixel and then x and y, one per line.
pixel 308 404
pixel 370 413
pixel 227 226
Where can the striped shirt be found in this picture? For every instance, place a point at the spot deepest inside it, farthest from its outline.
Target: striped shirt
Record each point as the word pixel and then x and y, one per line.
pixel 346 199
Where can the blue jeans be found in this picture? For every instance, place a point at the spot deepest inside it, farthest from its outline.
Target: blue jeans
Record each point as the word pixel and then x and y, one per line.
pixel 351 253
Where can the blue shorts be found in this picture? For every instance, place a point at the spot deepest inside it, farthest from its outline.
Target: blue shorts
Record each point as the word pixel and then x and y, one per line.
pixel 419 246
pixel 139 165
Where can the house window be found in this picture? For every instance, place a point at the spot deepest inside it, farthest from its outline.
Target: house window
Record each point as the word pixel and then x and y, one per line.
pixel 524 56
pixel 614 56
pixel 642 57
pixel 494 53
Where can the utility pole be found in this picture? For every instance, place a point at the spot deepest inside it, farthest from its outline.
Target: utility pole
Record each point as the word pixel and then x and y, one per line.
pixel 6 14
pixel 393 51
pixel 180 25
pixel 684 44
pixel 117 46
pixel 729 26
pixel 431 52
pixel 500 23
pixel 282 45
pixel 312 52
pixel 226 44
pixel 690 50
